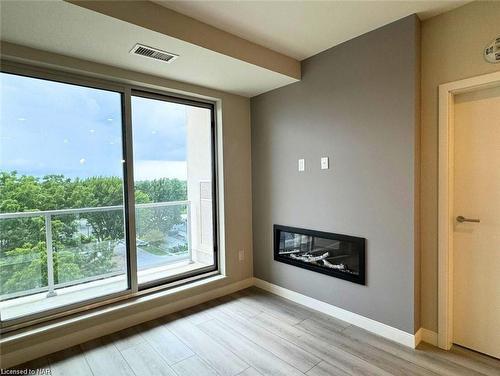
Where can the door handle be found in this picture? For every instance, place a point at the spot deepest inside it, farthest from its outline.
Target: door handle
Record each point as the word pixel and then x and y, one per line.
pixel 462 219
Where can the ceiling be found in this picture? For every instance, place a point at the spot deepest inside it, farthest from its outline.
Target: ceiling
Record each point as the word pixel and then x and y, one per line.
pixel 301 29
pixel 232 46
pixel 67 29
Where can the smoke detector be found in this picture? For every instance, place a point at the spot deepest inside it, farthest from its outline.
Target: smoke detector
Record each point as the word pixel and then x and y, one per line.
pixel 153 53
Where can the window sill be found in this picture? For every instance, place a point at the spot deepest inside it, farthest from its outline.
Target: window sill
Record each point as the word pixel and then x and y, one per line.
pixel 172 299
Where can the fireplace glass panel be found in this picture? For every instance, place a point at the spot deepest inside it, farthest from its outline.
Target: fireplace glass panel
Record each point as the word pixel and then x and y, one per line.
pixel 328 253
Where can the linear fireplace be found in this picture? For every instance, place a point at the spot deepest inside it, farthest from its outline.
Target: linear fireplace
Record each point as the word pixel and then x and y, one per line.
pixel 341 256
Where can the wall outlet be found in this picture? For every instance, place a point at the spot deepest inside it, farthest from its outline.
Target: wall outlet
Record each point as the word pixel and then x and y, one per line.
pixel 241 255
pixel 325 163
pixel 302 165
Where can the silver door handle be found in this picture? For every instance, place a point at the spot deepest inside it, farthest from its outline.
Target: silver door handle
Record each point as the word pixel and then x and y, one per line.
pixel 462 219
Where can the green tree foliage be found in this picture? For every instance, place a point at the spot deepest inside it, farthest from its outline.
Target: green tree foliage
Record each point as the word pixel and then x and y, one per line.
pixel 155 221
pixel 77 253
pixel 99 192
pixel 163 190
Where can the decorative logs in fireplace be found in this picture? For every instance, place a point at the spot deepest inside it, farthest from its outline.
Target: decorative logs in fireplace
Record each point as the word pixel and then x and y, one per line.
pixel 338 255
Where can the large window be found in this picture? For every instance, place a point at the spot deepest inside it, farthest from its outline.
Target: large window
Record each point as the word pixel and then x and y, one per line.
pixel 75 227
pixel 173 187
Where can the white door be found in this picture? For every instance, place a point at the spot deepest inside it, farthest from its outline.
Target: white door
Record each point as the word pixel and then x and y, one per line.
pixel 476 244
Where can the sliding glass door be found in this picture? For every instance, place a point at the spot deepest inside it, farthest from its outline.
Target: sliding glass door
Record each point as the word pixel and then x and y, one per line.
pixel 62 227
pixel 75 227
pixel 173 187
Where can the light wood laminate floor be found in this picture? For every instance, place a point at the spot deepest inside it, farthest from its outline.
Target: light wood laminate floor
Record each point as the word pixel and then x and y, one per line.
pixel 253 333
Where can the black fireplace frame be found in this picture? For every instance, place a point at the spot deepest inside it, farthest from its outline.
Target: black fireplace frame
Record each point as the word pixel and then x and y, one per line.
pixel 359 243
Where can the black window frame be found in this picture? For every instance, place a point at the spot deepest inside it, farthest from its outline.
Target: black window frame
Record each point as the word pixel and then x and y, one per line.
pixel 213 132
pixel 126 90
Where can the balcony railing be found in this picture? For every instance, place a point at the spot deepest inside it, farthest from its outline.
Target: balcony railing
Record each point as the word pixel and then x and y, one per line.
pixel 165 220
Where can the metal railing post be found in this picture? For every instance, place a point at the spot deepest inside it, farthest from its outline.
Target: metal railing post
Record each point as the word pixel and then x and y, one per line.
pixel 50 259
pixel 188 224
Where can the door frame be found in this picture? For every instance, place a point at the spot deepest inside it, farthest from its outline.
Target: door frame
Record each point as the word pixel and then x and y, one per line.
pixel 447 94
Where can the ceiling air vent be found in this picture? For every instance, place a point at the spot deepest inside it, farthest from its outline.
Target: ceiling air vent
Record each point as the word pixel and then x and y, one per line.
pixel 153 53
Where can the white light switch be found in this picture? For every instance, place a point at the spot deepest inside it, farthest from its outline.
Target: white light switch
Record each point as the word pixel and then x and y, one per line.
pixel 241 255
pixel 302 164
pixel 324 163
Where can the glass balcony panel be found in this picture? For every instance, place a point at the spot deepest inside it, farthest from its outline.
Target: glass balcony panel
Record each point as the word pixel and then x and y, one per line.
pixel 162 235
pixel 88 247
pixel 23 256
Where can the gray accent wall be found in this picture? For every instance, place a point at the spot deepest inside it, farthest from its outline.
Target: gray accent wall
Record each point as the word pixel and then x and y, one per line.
pixel 358 104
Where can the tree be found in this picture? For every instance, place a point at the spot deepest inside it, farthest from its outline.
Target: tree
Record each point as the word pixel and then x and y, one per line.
pixel 100 192
pixel 23 256
pixel 161 219
pixel 163 190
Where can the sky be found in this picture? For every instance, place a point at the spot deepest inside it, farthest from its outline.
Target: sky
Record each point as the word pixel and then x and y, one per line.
pixel 54 128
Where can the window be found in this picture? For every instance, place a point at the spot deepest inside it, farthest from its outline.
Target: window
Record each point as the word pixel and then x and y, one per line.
pixel 172 185
pixel 75 228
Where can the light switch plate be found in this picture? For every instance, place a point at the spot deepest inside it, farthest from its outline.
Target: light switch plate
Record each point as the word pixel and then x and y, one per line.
pixel 241 255
pixel 324 163
pixel 302 164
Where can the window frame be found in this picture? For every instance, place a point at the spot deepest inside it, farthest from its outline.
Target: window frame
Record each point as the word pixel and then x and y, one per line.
pixel 210 106
pixel 126 90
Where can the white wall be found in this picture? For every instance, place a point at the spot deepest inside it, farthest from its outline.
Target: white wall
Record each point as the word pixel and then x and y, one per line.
pixel 199 173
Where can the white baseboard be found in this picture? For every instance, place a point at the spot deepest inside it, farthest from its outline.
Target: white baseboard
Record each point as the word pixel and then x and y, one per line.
pixel 366 323
pixel 26 347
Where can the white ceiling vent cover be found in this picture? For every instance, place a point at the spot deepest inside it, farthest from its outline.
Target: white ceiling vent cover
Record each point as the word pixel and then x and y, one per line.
pixel 153 53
